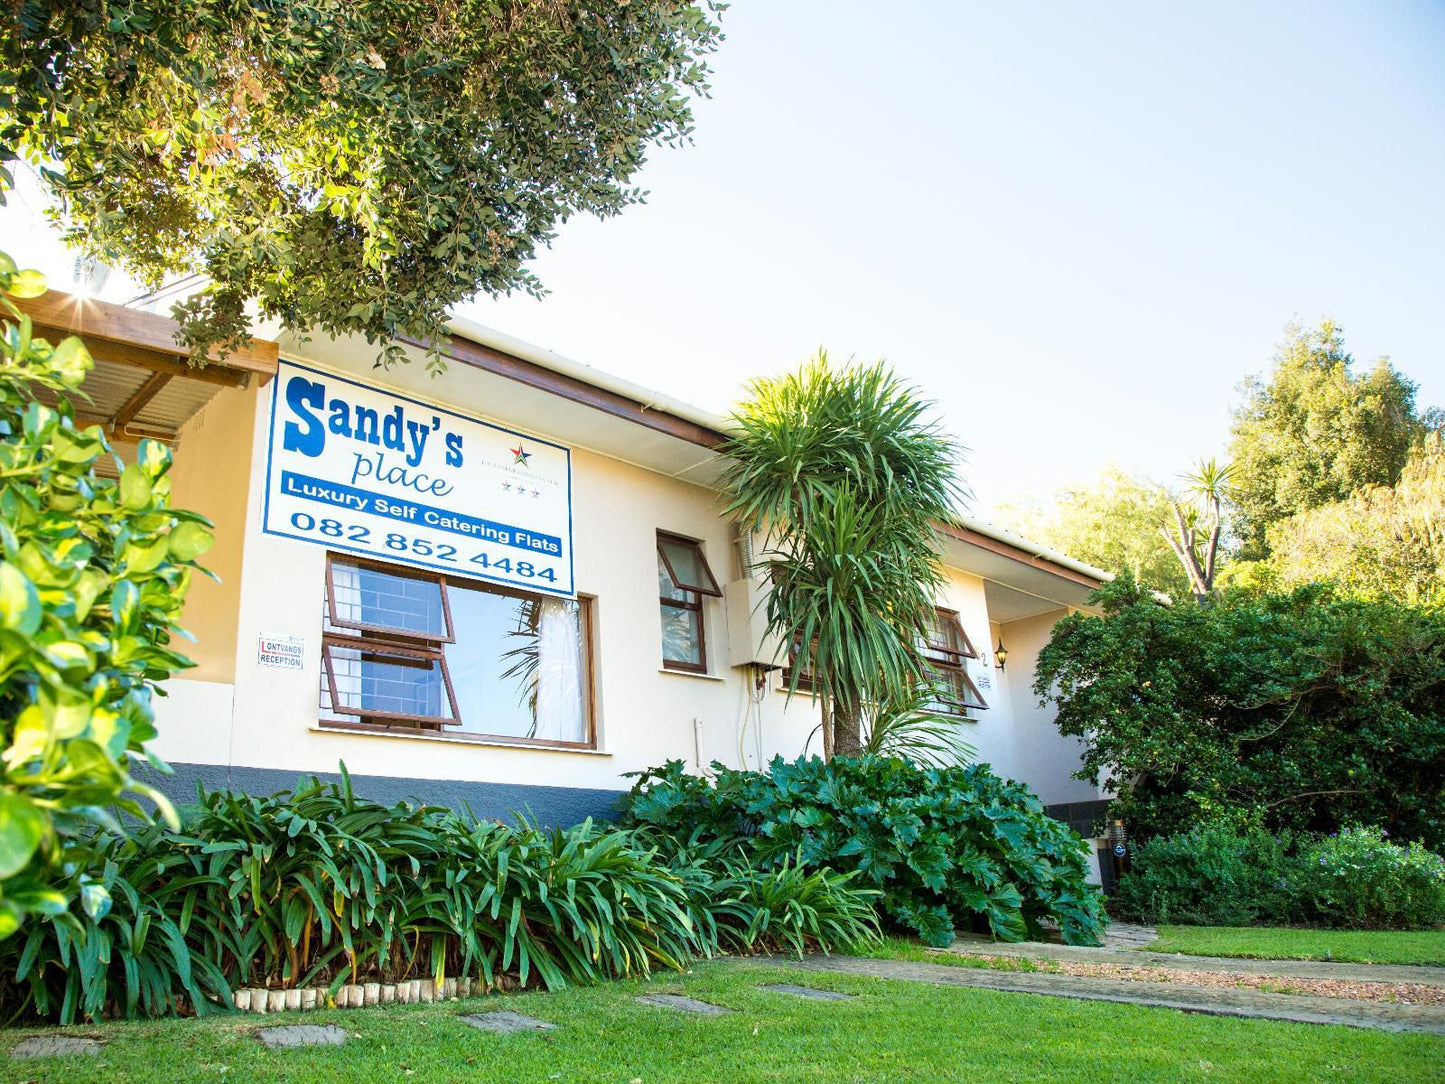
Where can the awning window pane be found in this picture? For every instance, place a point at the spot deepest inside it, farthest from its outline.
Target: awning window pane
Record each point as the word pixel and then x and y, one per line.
pixel 686 565
pixel 375 599
pixel 380 684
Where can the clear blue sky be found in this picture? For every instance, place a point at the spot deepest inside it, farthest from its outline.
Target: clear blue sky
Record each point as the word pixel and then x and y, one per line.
pixel 1076 225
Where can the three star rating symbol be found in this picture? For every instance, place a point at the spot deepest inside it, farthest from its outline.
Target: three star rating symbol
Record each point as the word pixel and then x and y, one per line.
pixel 507 487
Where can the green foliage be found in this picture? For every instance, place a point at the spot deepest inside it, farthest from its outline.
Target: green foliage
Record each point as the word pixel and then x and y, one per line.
pixel 785 908
pixel 319 887
pixel 1112 523
pixel 1380 542
pixel 1213 875
pixel 846 476
pixel 1301 711
pixel 357 167
pixel 1315 432
pixel 1216 875
pixel 909 724
pixel 947 847
pixel 1359 878
pixel 93 576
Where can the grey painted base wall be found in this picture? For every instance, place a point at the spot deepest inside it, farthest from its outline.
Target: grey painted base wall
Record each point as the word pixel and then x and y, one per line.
pixel 553 807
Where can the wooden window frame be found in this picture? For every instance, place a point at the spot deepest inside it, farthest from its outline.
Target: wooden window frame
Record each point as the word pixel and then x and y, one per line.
pixel 387 640
pixel 806 682
pixel 950 655
pixel 388 649
pixel 945 664
pixel 388 632
pixel 678 540
pixel 694 606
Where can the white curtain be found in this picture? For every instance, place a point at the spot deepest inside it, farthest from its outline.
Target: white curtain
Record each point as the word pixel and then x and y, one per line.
pixel 559 673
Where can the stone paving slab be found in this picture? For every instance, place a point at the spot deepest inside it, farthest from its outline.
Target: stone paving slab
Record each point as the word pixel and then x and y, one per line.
pixel 53 1046
pixel 1251 1004
pixel 1233 965
pixel 805 991
pixel 505 1021
pixel 289 1037
pixel 683 1004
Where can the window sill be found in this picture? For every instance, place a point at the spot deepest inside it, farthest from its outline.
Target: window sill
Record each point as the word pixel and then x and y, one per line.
pixel 691 674
pixel 460 739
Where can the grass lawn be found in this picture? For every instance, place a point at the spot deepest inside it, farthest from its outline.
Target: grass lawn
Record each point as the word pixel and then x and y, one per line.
pixel 894 1031
pixel 1277 943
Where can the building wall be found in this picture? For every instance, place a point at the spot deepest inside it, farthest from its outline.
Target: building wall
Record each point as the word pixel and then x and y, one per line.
pixel 235 723
pixel 1041 755
pixel 210 475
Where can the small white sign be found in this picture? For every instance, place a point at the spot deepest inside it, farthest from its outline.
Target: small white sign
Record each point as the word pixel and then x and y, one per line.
pixel 281 652
pixel 985 679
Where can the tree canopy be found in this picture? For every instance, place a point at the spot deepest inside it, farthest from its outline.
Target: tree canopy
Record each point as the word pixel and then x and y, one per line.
pixel 1314 432
pixel 1300 710
pixel 1380 542
pixel 1112 523
pixel 357 167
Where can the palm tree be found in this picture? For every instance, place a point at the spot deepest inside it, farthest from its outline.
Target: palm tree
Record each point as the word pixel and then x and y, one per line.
pixel 844 475
pixel 1199 524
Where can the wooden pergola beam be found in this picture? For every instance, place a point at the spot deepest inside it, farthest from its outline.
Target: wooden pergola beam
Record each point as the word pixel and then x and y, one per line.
pixel 147 339
pixel 144 358
pixel 137 402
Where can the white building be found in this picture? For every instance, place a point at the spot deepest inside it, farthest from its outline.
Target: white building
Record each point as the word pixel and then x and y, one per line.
pixel 515 577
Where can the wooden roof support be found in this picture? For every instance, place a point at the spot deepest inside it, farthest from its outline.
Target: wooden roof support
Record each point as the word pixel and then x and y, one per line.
pixel 144 339
pixel 137 402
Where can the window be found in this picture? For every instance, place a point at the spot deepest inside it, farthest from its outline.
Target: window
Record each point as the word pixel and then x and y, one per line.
pixel 404 649
pixel 683 577
pixel 801 665
pixel 944 647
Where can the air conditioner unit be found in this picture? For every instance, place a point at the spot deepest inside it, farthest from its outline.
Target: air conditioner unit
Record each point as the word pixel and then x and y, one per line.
pixel 749 643
pixel 745 599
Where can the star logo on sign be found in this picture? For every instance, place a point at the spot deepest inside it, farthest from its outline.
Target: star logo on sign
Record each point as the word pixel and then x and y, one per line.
pixel 506 487
pixel 535 494
pixel 521 455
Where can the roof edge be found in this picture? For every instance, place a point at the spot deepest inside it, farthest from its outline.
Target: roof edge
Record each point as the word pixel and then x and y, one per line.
pixel 710 430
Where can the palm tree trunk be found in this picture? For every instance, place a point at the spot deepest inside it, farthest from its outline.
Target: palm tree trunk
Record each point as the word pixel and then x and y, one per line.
pixel 847 729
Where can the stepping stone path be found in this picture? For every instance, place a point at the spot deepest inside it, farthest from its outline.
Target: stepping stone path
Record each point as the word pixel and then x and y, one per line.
pixel 297 1035
pixel 806 991
pixel 683 1004
pixel 505 1021
pixel 52 1046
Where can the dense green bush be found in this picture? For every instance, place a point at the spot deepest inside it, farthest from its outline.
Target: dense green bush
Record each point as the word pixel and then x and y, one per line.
pixel 1212 875
pixel 1302 711
pixel 319 887
pixel 946 847
pixel 93 572
pixel 1360 878
pixel 1216 875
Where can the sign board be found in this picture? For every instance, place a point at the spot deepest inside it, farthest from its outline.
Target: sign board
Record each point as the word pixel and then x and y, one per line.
pixel 355 468
pixel 281 652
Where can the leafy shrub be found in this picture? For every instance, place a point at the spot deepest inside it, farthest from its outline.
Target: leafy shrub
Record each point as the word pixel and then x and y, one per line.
pixel 92 579
pixel 1216 875
pixel 1360 878
pixel 944 846
pixel 1212 875
pixel 319 887
pixel 1305 710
